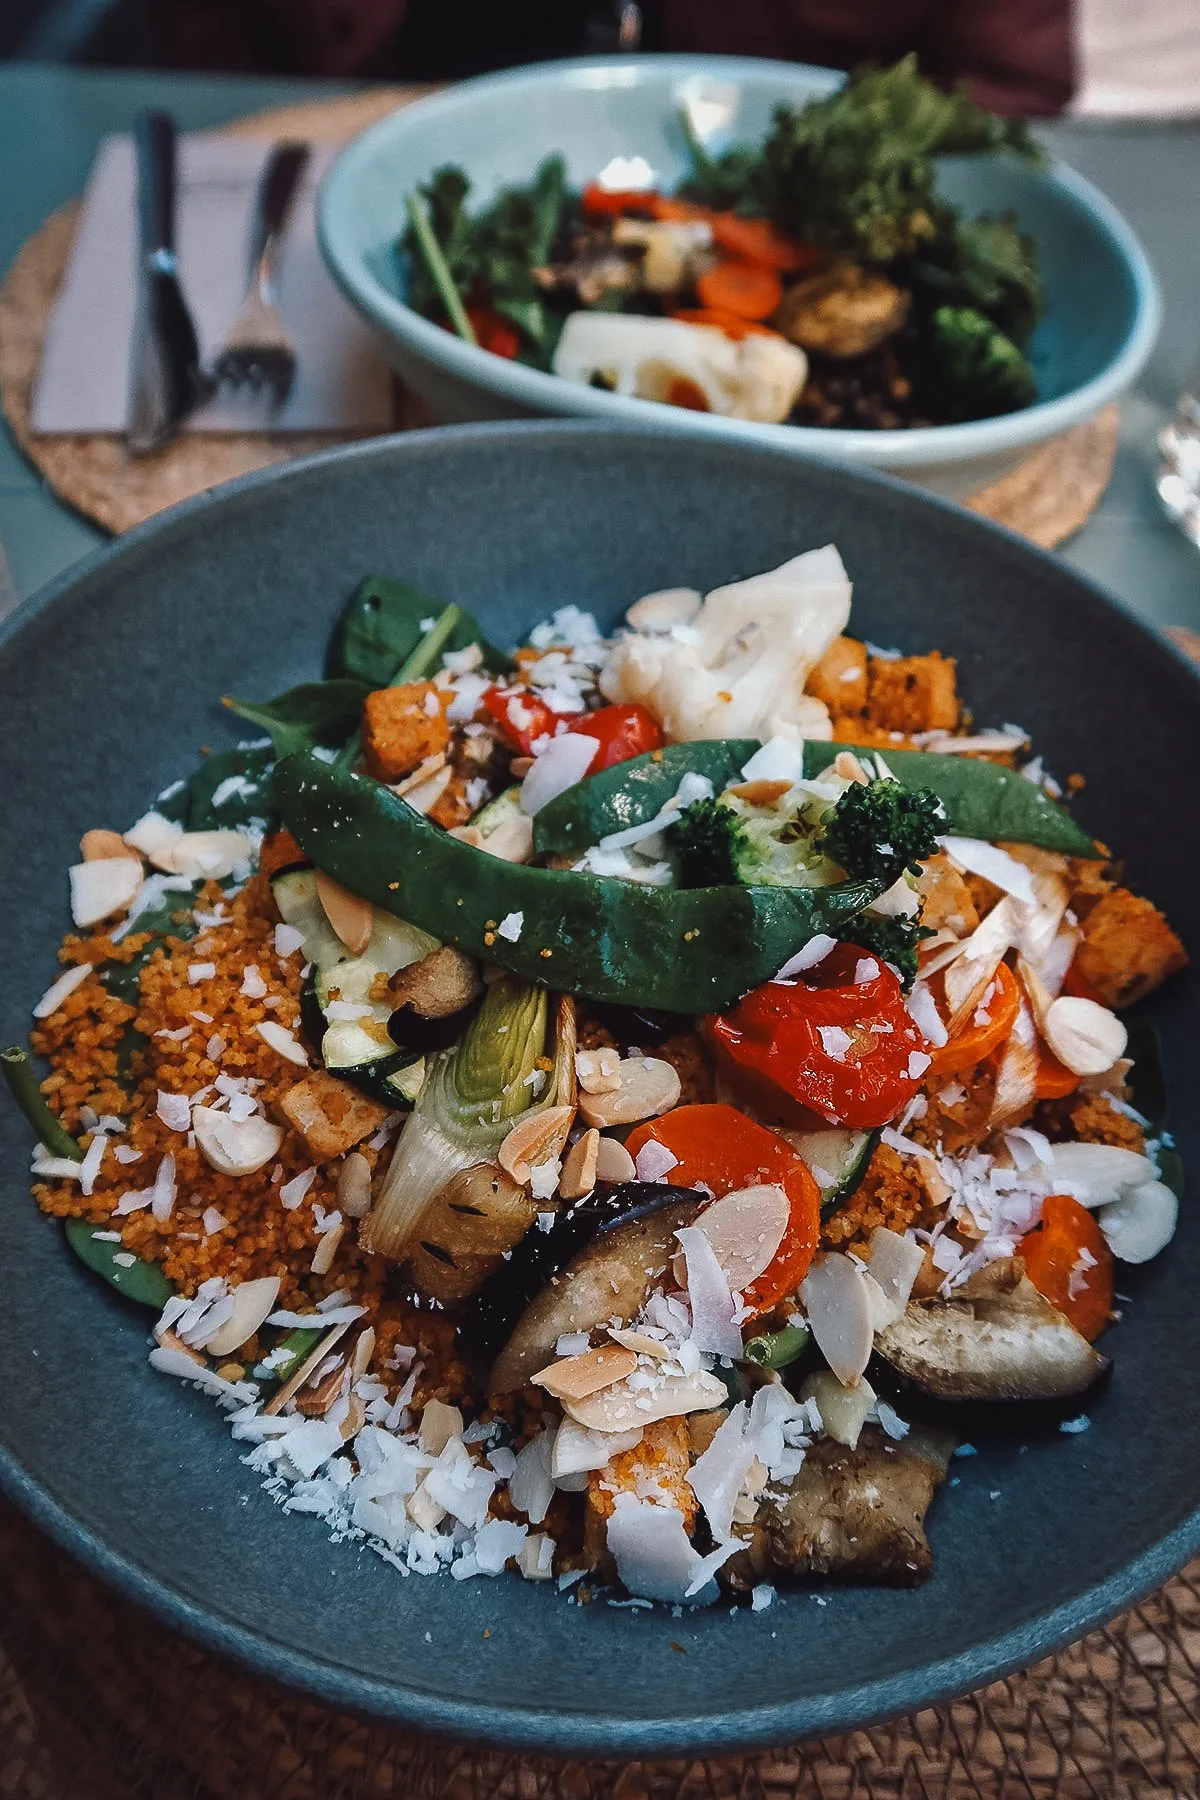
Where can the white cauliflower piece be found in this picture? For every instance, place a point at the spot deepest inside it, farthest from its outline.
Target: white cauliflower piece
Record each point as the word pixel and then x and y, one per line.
pixel 739 667
pixel 757 377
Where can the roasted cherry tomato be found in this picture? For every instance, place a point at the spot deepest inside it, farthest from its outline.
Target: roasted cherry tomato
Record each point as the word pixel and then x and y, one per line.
pixel 494 332
pixel 522 716
pixel 1068 1261
pixel 621 731
pixel 721 1147
pixel 838 1042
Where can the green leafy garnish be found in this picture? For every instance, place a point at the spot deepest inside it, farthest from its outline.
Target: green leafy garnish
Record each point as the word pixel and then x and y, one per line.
pixel 143 1282
pixel 384 623
pixel 316 712
pixel 253 765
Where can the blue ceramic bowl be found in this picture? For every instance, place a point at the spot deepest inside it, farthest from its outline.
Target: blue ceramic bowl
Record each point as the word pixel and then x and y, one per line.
pixel 1102 311
pixel 137 1475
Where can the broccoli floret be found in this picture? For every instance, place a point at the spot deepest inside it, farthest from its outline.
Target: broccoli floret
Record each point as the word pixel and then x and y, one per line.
pixel 878 829
pixel 709 839
pixel 891 940
pixel 986 264
pixel 973 371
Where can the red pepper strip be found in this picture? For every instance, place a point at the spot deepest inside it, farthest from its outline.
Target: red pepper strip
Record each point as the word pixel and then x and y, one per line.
pixel 522 716
pixel 494 332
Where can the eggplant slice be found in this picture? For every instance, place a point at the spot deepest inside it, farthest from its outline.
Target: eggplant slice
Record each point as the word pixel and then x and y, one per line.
pixel 997 1346
pixel 854 1515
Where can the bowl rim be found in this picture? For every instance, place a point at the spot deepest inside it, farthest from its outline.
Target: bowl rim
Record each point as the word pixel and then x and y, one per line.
pixel 557 1731
pixel 516 384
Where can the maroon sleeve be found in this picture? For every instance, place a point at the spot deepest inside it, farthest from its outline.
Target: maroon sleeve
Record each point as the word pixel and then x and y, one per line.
pixel 301 37
pixel 1016 56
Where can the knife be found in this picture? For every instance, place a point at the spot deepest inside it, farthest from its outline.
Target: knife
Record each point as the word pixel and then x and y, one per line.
pixel 165 375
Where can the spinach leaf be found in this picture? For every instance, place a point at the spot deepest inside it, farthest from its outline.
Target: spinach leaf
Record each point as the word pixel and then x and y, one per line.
pixel 316 712
pixel 143 1282
pixel 382 626
pixel 1148 1091
pixel 121 978
pixel 252 800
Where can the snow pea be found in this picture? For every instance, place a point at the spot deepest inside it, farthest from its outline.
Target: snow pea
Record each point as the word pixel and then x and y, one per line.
pixel 982 799
pixel 691 950
pixel 143 1282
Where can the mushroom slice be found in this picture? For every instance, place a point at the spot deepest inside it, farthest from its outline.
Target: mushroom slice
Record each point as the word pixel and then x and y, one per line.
pixel 252 1301
pixel 235 1146
pixel 842 311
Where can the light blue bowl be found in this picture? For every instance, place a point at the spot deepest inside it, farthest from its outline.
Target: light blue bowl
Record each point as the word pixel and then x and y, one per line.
pixel 1102 312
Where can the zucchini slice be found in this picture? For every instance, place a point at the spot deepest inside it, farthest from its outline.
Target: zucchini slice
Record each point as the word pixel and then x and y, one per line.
pixel 838 1159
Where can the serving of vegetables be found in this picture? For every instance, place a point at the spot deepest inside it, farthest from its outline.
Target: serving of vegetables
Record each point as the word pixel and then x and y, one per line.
pixel 818 278
pixel 750 1023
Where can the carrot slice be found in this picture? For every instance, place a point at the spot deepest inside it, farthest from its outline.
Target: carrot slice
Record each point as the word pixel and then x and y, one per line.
pixel 748 289
pixel 728 322
pixel 975 1041
pixel 1069 1262
pixel 1054 1080
pixel 758 241
pixel 676 211
pixel 280 851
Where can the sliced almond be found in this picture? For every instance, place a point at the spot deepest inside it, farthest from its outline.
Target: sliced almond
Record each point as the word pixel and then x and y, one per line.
pixel 579 1167
pixel 745 1228
pixel 575 1377
pixel 356 1417
pixel 622 1408
pixel 614 1163
pixel 425 796
pixel 202 855
pixel 364 1350
pixel 98 846
pixel 354 1186
pixel 535 1139
pixel 520 766
pixel 598 1071
pixel 307 1368
pixel 351 917
pixel 895 1265
pixel 847 765
pixel 252 1301
pixel 703 1428
pixel 511 840
pixel 327 1248
pixel 429 765
pixel 103 887
pixel 760 793
pixel 639 1343
pixel 843 1410
pixel 235 1146
pixel 836 1299
pixel 439 1423
pixel 648 1086
pixel 1086 1037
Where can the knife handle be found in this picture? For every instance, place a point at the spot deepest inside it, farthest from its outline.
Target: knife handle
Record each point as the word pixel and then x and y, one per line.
pixel 154 136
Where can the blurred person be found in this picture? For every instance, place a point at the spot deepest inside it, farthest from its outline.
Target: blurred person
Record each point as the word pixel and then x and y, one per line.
pixel 1015 56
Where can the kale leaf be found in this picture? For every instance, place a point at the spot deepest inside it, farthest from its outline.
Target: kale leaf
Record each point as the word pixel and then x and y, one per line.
pixel 970 369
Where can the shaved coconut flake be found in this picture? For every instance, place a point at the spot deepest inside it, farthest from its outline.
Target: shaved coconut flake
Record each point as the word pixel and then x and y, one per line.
pixel 1141 1223
pixel 151 831
pixel 202 855
pixel 712 1303
pixel 779 759
pixel 815 951
pixel 201 971
pixel 745 1228
pixel 495 1542
pixel 293 1192
pixel 994 864
pixel 577 1450
pixel 531 1484
pixel 89 1168
pixel 563 762
pixel 57 992
pixel 843 1410
pixel 311 1443
pixel 653 1554
pixel 719 1475
pixel 103 887
pixel 162 1195
pixel 212 1221
pixel 288 940
pixel 835 1298
pixel 231 1393
pixel 834 1041
pixel 253 985
pixel 923 1011
pixel 900 901
pixel 283 1042
pixel 761 1596
pixel 175 1111
pixel 654 1161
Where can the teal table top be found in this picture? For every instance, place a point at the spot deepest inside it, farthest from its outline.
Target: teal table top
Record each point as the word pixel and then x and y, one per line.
pixel 52 118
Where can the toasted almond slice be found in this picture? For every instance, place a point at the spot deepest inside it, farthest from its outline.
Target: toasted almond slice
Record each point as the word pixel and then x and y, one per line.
pixel 649 1086
pixel 760 793
pixel 614 1163
pixel 170 1340
pixel 351 917
pixel 439 1423
pixel 327 1248
pixel 426 794
pixel 103 887
pixel 311 1363
pixel 429 765
pixel 843 1410
pixel 96 846
pixel 202 855
pixel 252 1301
pixel 364 1350
pixel 520 766
pixel 847 765
pixel 315 1402
pixel 579 1167
pixel 745 1228
pixel 622 1408
pixel 598 1071
pixel 354 1186
pixel 1086 1037
pixel 425 1512
pixel 575 1377
pixel 356 1417
pixel 235 1146
pixel 537 1138
pixel 639 1343
pixel 838 1303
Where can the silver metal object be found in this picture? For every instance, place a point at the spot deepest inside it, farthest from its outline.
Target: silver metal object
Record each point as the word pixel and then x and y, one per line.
pixel 165 377
pixel 258 352
pixel 1178 476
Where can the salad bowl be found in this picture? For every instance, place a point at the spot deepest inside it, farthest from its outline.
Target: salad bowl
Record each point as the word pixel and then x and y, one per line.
pixel 1045 1534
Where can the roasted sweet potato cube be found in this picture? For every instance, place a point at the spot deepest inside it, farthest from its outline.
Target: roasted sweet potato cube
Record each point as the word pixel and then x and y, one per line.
pixel 330 1115
pixel 401 726
pixel 660 1462
pixel 913 693
pixel 1127 949
pixel 840 678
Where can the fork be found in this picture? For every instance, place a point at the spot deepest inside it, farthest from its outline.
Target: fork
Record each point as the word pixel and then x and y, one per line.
pixel 258 352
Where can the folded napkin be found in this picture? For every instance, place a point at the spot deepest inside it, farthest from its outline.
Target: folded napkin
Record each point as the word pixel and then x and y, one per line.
pixel 342 382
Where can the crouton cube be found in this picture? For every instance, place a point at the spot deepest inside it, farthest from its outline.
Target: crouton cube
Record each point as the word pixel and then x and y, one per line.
pixel 1127 949
pixel 401 726
pixel 330 1115
pixel 913 693
pixel 840 678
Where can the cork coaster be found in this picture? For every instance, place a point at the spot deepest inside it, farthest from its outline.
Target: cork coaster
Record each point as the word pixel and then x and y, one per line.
pixel 1047 498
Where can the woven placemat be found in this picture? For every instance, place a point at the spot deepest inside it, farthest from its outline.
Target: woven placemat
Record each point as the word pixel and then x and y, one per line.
pixel 98 1702
pixel 1047 498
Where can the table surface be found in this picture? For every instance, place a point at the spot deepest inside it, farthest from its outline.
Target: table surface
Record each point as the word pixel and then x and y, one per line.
pixel 51 119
